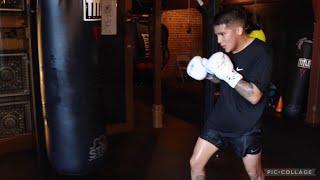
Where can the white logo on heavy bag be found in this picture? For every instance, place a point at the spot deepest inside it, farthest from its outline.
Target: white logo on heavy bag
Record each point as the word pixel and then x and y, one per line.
pixel 98 148
pixel 304 63
pixel 146 40
pixel 91 10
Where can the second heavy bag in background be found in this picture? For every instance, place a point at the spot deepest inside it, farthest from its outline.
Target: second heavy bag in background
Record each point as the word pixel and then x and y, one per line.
pixel 297 93
pixel 71 95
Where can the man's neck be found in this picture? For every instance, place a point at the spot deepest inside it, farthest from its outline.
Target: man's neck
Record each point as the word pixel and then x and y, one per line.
pixel 243 43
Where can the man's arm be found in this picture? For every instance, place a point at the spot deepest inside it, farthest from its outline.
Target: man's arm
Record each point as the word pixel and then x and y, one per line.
pixel 221 66
pixel 249 91
pixel 213 78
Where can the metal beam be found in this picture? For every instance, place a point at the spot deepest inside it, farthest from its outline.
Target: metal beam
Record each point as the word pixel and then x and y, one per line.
pixel 157 58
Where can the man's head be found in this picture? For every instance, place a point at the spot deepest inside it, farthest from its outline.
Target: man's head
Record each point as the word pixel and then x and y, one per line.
pixel 230 27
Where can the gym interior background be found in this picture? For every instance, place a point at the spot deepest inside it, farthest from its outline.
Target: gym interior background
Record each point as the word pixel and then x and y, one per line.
pixel 128 79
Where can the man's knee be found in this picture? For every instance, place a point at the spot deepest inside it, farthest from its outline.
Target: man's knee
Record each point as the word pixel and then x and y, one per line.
pixel 255 174
pixel 196 165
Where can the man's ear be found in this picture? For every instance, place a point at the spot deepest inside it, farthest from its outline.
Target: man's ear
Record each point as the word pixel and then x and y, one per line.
pixel 239 30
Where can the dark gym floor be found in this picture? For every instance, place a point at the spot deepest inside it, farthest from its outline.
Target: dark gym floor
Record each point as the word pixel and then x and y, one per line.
pixel 163 154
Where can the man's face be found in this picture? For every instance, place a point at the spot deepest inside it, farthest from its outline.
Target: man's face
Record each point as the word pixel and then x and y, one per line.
pixel 227 36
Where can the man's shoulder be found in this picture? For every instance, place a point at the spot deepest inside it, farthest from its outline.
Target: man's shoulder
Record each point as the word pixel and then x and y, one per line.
pixel 261 47
pixel 261 51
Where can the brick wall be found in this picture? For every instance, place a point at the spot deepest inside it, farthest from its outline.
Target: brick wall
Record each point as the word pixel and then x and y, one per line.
pixel 181 41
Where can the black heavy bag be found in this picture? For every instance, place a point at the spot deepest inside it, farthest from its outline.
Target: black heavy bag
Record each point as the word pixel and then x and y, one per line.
pixel 68 46
pixel 297 93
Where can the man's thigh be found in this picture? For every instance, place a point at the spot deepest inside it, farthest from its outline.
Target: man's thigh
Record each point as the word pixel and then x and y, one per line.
pixel 249 143
pixel 202 152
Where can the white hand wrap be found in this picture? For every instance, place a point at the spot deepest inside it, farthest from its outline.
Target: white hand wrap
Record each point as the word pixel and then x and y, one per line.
pixel 221 65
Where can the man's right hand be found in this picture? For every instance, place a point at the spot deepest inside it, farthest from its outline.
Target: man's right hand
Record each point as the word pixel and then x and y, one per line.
pixel 195 68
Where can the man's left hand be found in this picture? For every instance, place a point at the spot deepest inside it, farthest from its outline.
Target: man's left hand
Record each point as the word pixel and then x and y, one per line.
pixel 221 65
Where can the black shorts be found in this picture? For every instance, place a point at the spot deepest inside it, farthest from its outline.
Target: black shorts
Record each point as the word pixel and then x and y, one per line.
pixel 247 143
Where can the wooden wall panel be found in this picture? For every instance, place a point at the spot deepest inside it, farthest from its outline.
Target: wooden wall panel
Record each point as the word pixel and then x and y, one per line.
pixel 12 21
pixel 313 112
pixel 16 92
pixel 14 76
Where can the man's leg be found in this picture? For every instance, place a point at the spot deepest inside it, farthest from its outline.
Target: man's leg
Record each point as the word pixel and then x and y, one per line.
pixel 202 152
pixel 253 165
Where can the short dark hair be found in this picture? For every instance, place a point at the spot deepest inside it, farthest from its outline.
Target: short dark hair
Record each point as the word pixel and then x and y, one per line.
pixel 233 13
